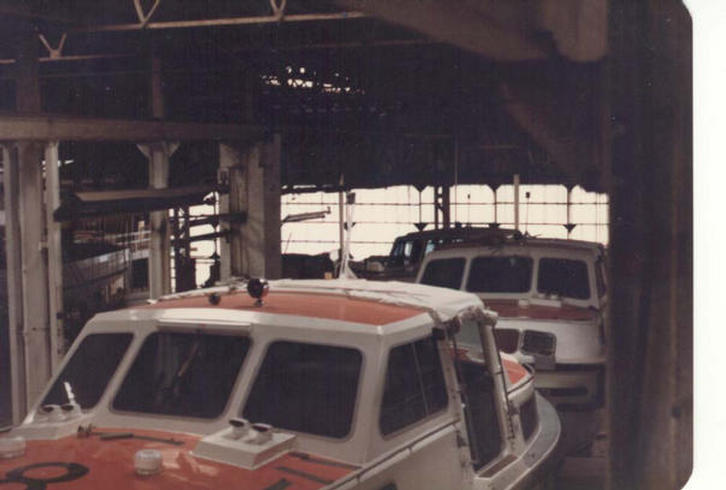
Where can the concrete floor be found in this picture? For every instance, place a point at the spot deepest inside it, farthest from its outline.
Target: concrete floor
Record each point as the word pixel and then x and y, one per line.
pixel 583 467
pixel 582 474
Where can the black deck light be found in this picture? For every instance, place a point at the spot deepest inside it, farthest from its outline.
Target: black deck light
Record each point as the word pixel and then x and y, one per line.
pixel 258 289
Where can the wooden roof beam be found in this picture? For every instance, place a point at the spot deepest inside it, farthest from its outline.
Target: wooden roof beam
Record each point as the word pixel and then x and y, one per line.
pixel 14 127
pixel 503 31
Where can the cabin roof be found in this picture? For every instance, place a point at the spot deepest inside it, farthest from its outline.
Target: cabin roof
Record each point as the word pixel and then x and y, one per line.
pixel 350 301
pixel 524 243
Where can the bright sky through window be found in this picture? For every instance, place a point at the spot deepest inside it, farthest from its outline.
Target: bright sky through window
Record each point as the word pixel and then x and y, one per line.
pixel 380 215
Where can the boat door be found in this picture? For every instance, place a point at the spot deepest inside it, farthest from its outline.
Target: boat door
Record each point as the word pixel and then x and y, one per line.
pixel 489 429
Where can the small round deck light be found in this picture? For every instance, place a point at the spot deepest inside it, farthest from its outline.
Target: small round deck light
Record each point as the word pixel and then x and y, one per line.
pixel 214 298
pixel 12 447
pixel 147 462
pixel 71 410
pixel 240 427
pixel 262 433
pixel 50 413
pixel 258 289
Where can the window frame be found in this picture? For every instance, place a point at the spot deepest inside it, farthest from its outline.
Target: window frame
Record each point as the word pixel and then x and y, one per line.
pixel 110 384
pixel 254 373
pixel 533 274
pixel 588 279
pixel 382 389
pixel 466 264
pixel 209 329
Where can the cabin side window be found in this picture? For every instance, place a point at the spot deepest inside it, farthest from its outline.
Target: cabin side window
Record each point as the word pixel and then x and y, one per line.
pixel 183 374
pixel 415 385
pixel 563 277
pixel 485 437
pixel 306 388
pixel 445 273
pixel 602 287
pixel 90 369
pixel 512 274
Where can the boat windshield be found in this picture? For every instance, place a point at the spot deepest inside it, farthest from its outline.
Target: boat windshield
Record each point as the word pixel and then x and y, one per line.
pixel 500 274
pixel 90 369
pixel 405 252
pixel 563 277
pixel 306 388
pixel 444 273
pixel 183 374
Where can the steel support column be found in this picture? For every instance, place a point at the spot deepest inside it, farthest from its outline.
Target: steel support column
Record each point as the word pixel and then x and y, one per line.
pixel 160 242
pixel 55 255
pixel 515 189
pixel 13 259
pixel 158 154
pixel 35 291
pixel 442 206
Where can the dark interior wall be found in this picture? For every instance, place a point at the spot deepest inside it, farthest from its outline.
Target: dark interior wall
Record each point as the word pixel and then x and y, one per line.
pixel 5 390
pixel 651 327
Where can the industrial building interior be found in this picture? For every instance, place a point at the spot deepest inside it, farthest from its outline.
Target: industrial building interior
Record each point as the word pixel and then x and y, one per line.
pixel 117 117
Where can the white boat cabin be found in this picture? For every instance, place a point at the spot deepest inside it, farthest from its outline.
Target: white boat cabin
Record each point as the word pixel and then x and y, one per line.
pixel 318 384
pixel 551 297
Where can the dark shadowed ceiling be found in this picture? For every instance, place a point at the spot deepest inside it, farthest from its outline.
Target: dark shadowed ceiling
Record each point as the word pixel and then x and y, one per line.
pixel 352 88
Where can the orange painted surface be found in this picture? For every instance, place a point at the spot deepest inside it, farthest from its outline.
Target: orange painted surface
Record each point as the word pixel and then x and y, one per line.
pixel 515 371
pixel 511 309
pixel 110 466
pixel 328 306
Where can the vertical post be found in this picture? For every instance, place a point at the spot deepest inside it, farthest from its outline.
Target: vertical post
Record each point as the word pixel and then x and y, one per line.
pixel 442 205
pixel 569 226
pixel 34 270
pixel 158 155
pixel 252 247
pixel 650 370
pixel 55 256
pixel 496 214
pixel 515 184
pixel 159 246
pixel 14 282
pixel 231 175
pixel 341 224
pixel 456 179
pixel 262 229
pixel 446 206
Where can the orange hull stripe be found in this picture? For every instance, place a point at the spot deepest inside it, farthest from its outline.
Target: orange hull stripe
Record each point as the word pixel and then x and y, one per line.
pixel 511 309
pixel 515 371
